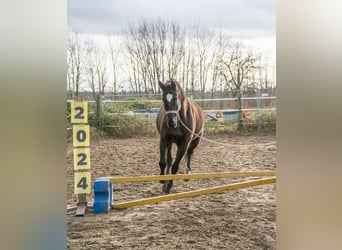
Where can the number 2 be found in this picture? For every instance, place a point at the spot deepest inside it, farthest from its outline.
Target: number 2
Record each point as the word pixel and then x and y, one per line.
pixel 82 161
pixel 80 114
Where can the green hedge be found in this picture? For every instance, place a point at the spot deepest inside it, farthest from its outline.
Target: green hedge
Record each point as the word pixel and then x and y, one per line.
pixel 121 125
pixel 117 122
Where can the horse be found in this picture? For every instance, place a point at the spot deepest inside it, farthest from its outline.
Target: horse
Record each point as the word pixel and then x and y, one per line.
pixel 179 121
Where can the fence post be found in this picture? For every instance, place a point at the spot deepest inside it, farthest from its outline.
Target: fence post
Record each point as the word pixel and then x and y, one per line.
pixel 98 111
pixel 258 108
pixel 240 108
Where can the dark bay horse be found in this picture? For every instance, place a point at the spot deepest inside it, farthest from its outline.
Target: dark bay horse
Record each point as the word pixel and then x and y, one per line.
pixel 172 118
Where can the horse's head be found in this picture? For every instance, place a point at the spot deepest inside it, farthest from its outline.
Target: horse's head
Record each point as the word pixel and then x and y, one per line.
pixel 172 102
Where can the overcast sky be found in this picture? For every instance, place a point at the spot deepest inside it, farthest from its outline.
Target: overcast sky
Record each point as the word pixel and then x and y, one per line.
pixel 247 18
pixel 251 22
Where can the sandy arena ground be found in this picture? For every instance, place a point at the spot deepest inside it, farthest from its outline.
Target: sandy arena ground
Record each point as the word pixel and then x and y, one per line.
pixel 238 219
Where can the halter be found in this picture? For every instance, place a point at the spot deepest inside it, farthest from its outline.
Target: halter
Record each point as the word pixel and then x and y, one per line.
pixel 172 112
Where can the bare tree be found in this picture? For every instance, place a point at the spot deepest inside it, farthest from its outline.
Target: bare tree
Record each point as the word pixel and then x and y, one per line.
pixel 97 70
pixel 175 49
pixel 132 59
pixel 77 51
pixel 266 73
pixel 219 53
pixel 135 62
pixel 91 68
pixel 161 32
pixel 155 49
pixel 114 62
pixel 240 65
pixel 199 57
pixel 187 65
pixel 203 37
pixel 102 73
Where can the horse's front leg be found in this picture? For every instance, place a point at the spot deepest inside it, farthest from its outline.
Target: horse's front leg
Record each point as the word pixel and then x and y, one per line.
pixel 168 158
pixel 162 160
pixel 174 169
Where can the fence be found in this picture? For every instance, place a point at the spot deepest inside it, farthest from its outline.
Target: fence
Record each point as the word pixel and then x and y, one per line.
pixel 221 111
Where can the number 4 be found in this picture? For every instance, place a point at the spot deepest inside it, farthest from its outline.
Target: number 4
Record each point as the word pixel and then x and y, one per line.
pixel 82 183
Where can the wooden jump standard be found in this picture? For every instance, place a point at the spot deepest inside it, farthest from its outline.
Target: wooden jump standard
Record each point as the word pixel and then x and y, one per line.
pixel 104 191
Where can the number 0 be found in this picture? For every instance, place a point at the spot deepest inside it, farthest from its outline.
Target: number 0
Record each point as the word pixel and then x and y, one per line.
pixel 81 136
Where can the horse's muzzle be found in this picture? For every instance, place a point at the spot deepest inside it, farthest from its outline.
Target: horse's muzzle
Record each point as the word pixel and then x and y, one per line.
pixel 172 121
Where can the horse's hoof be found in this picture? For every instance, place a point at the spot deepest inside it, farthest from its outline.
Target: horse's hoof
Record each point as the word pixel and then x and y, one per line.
pixel 165 189
pixel 187 172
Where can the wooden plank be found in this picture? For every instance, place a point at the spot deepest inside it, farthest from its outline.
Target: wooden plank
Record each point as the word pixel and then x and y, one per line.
pixel 194 193
pixel 188 176
pixel 81 209
pixel 81 205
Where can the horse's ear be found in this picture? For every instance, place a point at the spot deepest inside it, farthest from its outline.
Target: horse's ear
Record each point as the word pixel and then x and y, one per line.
pixel 161 85
pixel 173 84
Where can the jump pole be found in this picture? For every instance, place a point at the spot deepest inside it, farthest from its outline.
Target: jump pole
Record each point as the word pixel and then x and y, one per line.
pixel 103 187
pixel 187 176
pixel 193 193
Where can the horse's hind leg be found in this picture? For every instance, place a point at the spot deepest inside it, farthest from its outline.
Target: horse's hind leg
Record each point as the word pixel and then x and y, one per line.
pixel 189 153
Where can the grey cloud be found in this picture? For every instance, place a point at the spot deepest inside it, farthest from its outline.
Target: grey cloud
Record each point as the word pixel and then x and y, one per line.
pixel 105 16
